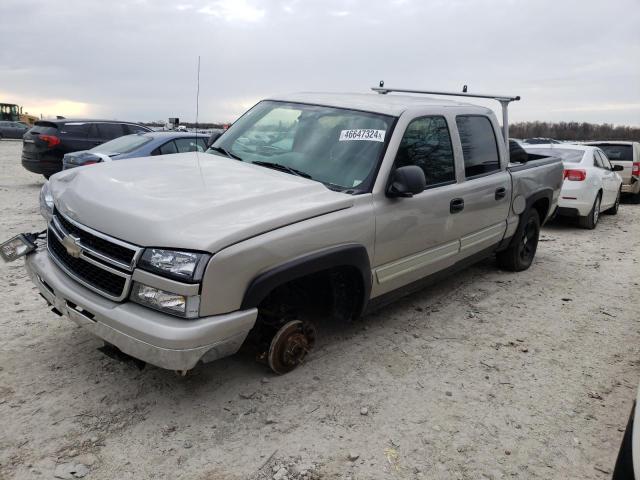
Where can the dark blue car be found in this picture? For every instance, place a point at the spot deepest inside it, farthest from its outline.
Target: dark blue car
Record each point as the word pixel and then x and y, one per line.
pixel 138 145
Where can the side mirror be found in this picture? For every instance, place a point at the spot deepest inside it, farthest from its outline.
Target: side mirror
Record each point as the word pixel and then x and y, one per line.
pixel 406 182
pixel 617 168
pixel 212 139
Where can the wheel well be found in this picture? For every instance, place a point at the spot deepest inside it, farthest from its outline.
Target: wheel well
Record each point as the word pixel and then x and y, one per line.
pixel 542 207
pixel 336 292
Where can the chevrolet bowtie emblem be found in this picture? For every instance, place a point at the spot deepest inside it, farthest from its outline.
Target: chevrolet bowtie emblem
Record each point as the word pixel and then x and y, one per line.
pixel 72 244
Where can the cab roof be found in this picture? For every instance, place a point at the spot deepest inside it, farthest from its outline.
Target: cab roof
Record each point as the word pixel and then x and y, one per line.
pixel 389 104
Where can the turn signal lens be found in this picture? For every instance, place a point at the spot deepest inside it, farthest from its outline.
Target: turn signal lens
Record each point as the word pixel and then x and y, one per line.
pixel 575 175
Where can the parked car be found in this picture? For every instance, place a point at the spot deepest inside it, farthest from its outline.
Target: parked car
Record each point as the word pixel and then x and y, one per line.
pixel 348 200
pixel 591 184
pixel 46 143
pixel 12 129
pixel 137 145
pixel 540 140
pixel 627 155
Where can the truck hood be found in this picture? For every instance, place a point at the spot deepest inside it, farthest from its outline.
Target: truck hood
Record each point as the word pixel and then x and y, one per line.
pixel 192 201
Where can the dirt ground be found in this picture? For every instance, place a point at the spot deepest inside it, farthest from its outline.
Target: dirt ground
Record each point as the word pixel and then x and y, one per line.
pixel 488 374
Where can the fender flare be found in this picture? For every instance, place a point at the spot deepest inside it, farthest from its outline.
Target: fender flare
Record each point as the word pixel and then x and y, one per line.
pixel 349 255
pixel 545 193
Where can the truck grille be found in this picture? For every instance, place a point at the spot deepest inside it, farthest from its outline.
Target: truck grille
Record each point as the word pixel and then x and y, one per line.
pixel 101 279
pixel 106 247
pixel 101 264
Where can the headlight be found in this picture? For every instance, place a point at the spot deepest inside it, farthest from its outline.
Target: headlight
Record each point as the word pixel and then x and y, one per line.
pixel 46 201
pixel 185 266
pixel 164 301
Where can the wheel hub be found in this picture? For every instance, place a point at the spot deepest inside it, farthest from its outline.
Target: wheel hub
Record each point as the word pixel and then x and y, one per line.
pixel 290 346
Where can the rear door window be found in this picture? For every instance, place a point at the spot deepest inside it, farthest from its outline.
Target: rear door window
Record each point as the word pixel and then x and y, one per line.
pixel 109 131
pixel 188 145
pixel 202 143
pixel 604 160
pixel 135 128
pixel 479 145
pixel 76 129
pixel 597 160
pixel 167 148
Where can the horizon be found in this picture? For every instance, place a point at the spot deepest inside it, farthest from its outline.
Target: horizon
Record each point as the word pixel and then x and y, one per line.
pixel 137 61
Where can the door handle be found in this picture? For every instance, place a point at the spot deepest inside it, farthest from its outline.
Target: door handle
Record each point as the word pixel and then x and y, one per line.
pixel 501 193
pixel 456 205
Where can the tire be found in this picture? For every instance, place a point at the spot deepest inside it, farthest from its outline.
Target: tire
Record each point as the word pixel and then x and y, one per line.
pixel 623 469
pixel 522 249
pixel 614 210
pixel 591 220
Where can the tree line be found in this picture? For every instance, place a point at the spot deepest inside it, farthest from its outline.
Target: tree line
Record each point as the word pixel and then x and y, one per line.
pixel 574 131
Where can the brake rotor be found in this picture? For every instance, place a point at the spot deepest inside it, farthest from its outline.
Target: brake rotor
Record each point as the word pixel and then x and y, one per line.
pixel 290 346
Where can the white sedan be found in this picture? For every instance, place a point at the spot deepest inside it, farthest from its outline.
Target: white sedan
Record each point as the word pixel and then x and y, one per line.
pixel 591 184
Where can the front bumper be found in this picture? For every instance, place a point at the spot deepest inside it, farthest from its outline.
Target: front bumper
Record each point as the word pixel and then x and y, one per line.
pixel 154 337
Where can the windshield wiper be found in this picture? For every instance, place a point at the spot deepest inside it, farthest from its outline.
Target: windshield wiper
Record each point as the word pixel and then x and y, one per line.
pixel 226 152
pixel 283 168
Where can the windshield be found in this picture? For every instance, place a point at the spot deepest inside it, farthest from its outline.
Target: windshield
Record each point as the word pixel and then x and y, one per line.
pixel 125 144
pixel 340 148
pixel 618 152
pixel 564 154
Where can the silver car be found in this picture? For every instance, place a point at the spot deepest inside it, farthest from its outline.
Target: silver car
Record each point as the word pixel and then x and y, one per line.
pixel 12 129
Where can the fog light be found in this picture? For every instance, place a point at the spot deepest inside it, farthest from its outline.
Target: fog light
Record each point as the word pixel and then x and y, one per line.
pixel 164 301
pixel 16 247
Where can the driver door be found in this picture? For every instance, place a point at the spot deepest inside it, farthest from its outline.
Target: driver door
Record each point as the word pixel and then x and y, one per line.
pixel 418 236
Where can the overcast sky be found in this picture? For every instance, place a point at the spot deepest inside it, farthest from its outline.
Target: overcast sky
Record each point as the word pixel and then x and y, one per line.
pixel 136 59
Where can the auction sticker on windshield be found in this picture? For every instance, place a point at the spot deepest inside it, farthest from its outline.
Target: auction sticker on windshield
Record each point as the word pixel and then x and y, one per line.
pixel 362 134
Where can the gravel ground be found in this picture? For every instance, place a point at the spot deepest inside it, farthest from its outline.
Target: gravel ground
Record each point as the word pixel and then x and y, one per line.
pixel 486 375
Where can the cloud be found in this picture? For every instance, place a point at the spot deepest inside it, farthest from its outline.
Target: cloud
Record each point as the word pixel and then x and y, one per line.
pixel 233 10
pixel 137 60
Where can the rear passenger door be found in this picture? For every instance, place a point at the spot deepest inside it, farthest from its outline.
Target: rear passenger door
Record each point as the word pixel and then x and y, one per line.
pixel 74 136
pixel 609 180
pixel 485 198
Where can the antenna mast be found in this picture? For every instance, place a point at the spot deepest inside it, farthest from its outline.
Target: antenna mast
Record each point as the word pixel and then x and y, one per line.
pixel 198 95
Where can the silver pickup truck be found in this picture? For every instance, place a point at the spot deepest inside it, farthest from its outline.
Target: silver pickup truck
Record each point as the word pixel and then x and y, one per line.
pixel 311 206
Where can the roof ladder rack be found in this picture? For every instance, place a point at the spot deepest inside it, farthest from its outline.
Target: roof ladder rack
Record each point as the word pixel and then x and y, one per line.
pixel 503 99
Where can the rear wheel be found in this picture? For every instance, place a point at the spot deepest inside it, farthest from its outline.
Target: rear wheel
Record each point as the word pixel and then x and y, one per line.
pixel 522 250
pixel 591 220
pixel 614 210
